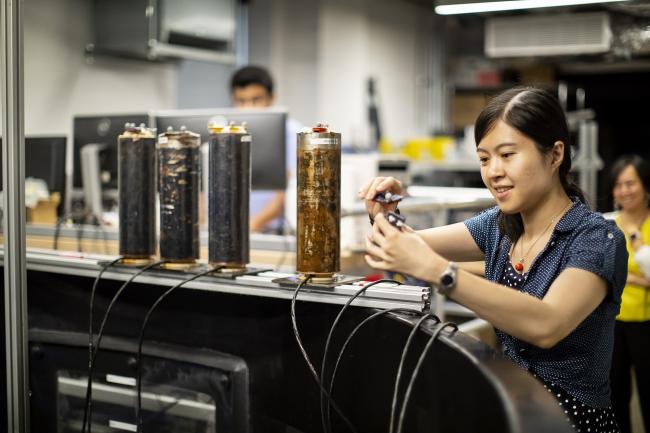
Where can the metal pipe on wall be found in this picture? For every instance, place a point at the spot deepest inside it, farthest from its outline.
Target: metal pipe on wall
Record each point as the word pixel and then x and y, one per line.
pixel 13 164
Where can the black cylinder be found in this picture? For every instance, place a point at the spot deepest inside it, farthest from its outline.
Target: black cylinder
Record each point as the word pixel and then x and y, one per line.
pixel 137 193
pixel 179 196
pixel 229 181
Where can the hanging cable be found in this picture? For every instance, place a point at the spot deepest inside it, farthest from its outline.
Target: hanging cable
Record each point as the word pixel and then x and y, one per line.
pixel 416 370
pixel 88 403
pixel 311 367
pixel 99 225
pixel 138 409
pixel 402 361
pixel 91 308
pixel 352 334
pixel 80 233
pixel 57 232
pixel 325 413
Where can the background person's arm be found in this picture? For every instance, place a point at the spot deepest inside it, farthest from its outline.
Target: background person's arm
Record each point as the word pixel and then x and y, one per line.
pixel 637 280
pixel 271 211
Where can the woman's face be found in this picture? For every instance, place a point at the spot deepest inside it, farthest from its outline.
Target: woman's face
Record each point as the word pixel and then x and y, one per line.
pixel 517 174
pixel 629 192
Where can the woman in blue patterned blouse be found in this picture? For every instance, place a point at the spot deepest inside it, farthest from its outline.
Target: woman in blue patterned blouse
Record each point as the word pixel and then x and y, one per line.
pixel 554 269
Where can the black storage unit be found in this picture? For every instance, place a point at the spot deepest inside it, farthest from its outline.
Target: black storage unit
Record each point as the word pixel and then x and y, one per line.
pixel 464 386
pixel 184 388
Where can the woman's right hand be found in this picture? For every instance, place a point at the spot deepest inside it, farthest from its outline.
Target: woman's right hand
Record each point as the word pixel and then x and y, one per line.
pixel 377 185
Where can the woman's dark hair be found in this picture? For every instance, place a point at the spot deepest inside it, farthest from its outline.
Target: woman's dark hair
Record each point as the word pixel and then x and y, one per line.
pixel 641 166
pixel 252 75
pixel 537 114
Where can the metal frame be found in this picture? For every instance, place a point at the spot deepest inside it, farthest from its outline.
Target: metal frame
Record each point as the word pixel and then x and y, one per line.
pixel 11 80
pixel 86 265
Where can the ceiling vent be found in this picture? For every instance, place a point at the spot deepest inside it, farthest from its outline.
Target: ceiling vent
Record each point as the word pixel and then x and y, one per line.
pixel 548 35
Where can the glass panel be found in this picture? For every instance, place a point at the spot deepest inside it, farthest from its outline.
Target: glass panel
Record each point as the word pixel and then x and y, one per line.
pixel 77 102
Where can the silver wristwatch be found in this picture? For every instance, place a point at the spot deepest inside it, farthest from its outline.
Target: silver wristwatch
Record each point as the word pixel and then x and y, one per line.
pixel 448 279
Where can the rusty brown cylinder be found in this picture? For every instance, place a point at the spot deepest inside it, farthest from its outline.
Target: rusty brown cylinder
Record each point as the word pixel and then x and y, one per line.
pixel 318 241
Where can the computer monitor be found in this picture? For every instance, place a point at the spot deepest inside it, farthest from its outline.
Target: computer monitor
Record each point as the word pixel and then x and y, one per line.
pixel 95 160
pixel 266 125
pixel 102 130
pixel 45 159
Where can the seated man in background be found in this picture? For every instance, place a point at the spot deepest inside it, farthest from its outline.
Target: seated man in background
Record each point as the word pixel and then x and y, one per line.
pixel 252 86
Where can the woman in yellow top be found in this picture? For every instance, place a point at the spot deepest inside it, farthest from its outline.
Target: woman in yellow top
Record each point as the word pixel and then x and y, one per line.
pixel 631 178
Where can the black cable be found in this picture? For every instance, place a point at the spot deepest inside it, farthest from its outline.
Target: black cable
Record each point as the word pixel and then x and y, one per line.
pixel 91 308
pixel 88 404
pixel 57 232
pixel 138 409
pixel 306 357
pixel 325 413
pixel 354 332
pixel 402 361
pixel 97 222
pixel 416 370
pixel 80 235
pixel 105 239
pixel 57 228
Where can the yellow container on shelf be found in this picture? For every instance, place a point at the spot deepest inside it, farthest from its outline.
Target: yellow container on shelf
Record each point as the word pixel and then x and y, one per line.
pixel 418 149
pixel 441 146
pixel 386 146
pixel 428 148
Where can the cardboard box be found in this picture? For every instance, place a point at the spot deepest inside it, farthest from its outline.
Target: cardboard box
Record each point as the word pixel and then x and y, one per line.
pixel 465 108
pixel 45 210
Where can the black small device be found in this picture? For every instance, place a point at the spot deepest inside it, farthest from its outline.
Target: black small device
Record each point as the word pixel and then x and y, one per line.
pixel 387 197
pixel 396 219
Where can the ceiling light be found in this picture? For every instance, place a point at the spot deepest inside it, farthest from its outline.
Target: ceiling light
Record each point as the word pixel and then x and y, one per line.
pixel 509 5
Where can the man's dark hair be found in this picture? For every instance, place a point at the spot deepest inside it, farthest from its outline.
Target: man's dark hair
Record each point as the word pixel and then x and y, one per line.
pixel 252 75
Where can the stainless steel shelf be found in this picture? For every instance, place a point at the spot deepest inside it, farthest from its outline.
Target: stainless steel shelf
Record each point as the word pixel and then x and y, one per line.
pixel 384 295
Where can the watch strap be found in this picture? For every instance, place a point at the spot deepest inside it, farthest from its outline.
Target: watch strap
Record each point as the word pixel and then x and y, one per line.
pixel 448 279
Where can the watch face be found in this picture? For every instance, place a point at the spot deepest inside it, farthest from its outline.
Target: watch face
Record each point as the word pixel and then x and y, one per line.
pixel 446 280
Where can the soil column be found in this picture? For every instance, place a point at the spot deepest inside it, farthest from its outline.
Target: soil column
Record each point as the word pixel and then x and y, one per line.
pixel 229 184
pixel 137 193
pixel 319 203
pixel 179 196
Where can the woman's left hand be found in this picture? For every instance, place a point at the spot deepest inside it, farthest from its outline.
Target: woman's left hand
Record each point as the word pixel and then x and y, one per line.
pixel 404 251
